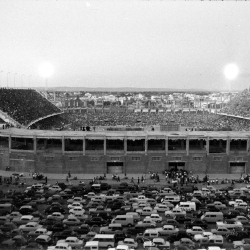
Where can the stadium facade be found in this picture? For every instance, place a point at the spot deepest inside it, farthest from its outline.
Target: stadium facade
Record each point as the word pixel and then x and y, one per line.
pixel 47 151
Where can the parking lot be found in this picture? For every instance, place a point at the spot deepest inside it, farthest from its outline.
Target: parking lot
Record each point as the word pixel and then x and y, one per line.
pixel 117 199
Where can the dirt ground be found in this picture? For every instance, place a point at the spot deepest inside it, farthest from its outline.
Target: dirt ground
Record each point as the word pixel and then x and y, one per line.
pixel 86 178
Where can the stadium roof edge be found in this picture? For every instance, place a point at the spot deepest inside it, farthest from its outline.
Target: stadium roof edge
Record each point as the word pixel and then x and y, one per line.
pixel 42 118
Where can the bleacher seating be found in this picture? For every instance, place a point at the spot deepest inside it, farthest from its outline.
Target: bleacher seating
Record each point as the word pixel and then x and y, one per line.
pixel 25 105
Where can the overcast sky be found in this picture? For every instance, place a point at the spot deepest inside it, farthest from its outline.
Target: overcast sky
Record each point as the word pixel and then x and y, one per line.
pixel 129 43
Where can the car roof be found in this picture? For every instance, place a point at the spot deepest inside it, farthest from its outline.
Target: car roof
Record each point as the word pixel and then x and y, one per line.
pixel 62 244
pixel 91 243
pixel 71 238
pixel 158 239
pixel 169 226
pixel 43 236
pixel 32 223
pixel 128 239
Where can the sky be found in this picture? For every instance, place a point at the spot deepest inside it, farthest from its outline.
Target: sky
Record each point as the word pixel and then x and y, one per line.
pixel 125 43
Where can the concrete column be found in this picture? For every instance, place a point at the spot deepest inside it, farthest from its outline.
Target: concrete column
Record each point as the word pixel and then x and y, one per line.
pixel 228 146
pixel 125 145
pixel 63 145
pixel 9 143
pixel 105 145
pixel 35 144
pixel 187 145
pixel 207 145
pixel 146 145
pixel 166 145
pixel 248 145
pixel 83 145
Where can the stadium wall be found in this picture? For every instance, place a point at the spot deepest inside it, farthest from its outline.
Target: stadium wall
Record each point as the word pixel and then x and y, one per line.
pixel 57 160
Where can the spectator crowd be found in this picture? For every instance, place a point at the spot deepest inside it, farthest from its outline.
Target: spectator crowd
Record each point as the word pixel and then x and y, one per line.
pixel 199 121
pixel 25 105
pixel 239 105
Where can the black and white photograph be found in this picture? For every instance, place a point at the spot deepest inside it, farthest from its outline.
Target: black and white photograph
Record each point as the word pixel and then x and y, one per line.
pixel 124 125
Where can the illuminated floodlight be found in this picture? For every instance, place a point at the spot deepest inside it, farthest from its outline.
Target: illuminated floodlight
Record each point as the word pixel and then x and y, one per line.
pixel 46 69
pixel 231 71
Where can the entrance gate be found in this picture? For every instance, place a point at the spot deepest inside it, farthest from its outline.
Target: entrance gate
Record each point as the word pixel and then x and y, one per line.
pixel 237 167
pixel 114 167
pixel 176 165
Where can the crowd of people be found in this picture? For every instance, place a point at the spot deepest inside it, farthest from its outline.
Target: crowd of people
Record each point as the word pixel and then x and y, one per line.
pixel 239 105
pixel 199 121
pixel 25 105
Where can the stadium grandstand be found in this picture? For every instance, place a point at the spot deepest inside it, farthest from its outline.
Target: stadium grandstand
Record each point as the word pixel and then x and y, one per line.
pixel 200 120
pixel 239 105
pixel 21 107
pixel 97 141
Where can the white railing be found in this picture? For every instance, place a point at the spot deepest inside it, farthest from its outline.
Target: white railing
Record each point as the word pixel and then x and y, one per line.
pixel 4 116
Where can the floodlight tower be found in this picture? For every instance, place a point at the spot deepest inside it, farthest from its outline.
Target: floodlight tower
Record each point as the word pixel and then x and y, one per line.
pixel 46 70
pixel 231 72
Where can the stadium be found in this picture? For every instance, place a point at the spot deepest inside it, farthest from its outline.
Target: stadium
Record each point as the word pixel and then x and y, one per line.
pixel 220 147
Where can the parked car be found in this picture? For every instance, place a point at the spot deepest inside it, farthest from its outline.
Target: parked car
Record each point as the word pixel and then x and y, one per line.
pixel 72 241
pixel 167 230
pixel 39 231
pixel 30 226
pixel 44 240
pixel 71 221
pixel 129 242
pixel 185 242
pixel 237 236
pixel 64 234
pixel 177 237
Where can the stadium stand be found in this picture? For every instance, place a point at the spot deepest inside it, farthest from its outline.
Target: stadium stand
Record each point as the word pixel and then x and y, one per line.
pixel 202 122
pixel 25 105
pixel 239 105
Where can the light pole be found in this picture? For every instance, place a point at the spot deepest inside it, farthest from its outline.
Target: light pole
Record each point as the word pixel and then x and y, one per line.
pixel 46 70
pixel 231 72
pixel 15 80
pixel 29 80
pixel 22 80
pixel 8 79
